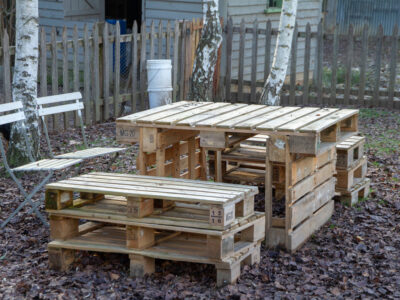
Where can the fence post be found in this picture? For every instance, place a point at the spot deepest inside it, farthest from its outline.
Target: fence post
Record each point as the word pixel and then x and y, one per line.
pixel 134 66
pixel 6 68
pixel 152 33
pixel 241 61
pixel 320 38
pixel 106 73
pixel 393 65
pixel 65 78
pixel 254 49
pixel 229 35
pixel 54 73
pixel 293 63
pixel 334 66
pixel 175 61
pixel 43 63
pixel 75 67
pixel 160 38
pixel 143 39
pixel 168 41
pixel 307 55
pixel 182 63
pixel 117 68
pixel 376 100
pixel 267 58
pixel 349 59
pixel 364 52
pixel 96 74
pixel 86 75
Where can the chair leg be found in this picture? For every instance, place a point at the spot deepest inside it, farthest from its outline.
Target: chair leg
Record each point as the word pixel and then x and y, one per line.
pixel 111 161
pixel 28 199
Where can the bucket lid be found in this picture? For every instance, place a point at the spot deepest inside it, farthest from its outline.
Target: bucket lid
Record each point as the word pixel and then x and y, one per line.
pixel 165 89
pixel 158 62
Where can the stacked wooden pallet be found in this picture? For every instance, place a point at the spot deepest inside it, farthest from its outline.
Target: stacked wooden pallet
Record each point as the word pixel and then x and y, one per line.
pixel 202 222
pixel 310 182
pixel 351 168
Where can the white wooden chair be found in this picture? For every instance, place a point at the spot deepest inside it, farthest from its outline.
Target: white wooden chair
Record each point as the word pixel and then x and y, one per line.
pixel 66 103
pixel 12 112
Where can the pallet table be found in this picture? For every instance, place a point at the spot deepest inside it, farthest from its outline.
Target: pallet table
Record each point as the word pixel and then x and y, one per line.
pixel 294 133
pixel 206 222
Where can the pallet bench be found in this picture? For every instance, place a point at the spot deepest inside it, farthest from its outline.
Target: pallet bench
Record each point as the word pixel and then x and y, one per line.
pixel 205 222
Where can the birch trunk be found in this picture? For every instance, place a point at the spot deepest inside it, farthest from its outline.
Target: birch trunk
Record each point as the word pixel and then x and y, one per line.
pixel 206 53
pixel 270 94
pixel 25 80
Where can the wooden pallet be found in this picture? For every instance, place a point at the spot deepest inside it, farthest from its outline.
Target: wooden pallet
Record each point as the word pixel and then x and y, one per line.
pixel 224 202
pixel 347 178
pixel 309 128
pixel 358 191
pixel 350 151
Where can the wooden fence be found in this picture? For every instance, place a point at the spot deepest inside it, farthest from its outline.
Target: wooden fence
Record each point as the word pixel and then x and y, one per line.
pixel 91 64
pixel 348 73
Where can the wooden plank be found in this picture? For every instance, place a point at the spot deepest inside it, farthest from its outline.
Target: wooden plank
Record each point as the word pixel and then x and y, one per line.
pixel 254 49
pixel 173 111
pixel 182 61
pixel 143 73
pixel 349 60
pixel 160 40
pixel 175 61
pixel 75 67
pixel 221 118
pixel 59 98
pixel 245 117
pixel 86 76
pixel 275 123
pixel 7 68
pixel 363 62
pixel 65 78
pixel 304 121
pixel 134 54
pixel 334 66
pixel 192 121
pixel 106 73
pixel 228 73
pixel 60 109
pixel 257 121
pixel 175 118
pixel 11 118
pixel 96 78
pixel 307 56
pixel 267 54
pixel 377 71
pixel 293 62
pixel 168 40
pixel 5 107
pixel 393 66
pixel 117 69
pixel 320 55
pixel 54 73
pixel 329 120
pixel 43 63
pixel 152 34
pixel 192 157
pixel 241 60
pixel 268 194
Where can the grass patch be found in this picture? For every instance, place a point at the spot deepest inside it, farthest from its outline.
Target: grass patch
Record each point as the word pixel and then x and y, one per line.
pixel 340 76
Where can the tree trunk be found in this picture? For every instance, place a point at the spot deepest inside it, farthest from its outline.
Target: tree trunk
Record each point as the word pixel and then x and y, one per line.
pixel 25 80
pixel 273 85
pixel 206 53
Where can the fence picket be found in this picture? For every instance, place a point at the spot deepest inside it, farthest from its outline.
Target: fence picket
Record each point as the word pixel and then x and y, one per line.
pixel 293 63
pixel 143 39
pixel 106 73
pixel 65 74
pixel 86 75
pixel 334 66
pixel 117 69
pixel 168 41
pixel 319 63
pixel 96 77
pixel 43 63
pixel 6 68
pixel 54 73
pixel 134 66
pixel 241 60
pixel 152 33
pixel 267 57
pixel 393 66
pixel 182 62
pixel 349 60
pixel 175 61
pixel 75 68
pixel 379 42
pixel 229 36
pixel 307 55
pixel 160 40
pixel 364 52
pixel 254 55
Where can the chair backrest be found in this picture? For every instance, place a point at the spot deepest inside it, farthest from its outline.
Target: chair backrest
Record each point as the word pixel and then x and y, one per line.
pixel 51 105
pixel 10 113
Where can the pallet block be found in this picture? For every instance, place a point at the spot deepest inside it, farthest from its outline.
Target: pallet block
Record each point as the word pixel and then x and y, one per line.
pixel 347 178
pixel 360 190
pixel 350 151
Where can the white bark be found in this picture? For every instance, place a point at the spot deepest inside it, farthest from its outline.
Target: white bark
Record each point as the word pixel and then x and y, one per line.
pixel 206 53
pixel 25 78
pixel 275 80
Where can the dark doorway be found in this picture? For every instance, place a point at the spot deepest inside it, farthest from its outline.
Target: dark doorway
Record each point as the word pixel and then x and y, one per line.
pixel 124 9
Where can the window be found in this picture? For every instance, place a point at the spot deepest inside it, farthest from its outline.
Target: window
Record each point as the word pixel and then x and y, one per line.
pixel 273 6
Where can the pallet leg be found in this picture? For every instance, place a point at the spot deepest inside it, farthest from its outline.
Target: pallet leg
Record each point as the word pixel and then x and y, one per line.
pixel 63 228
pixel 141 160
pixel 219 248
pixel 253 258
pixel 218 166
pixel 228 275
pixel 176 160
pixel 192 157
pixel 203 163
pixel 268 193
pixel 60 259
pixel 141 265
pixel 139 237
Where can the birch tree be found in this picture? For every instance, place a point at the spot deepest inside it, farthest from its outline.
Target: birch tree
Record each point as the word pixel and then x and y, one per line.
pixel 275 80
pixel 206 53
pixel 24 86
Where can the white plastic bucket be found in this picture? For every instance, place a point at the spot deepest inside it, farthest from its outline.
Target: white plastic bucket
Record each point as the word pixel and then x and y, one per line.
pixel 159 83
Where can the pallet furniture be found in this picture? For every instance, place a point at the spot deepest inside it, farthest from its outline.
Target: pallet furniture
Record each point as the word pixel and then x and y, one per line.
pixel 205 222
pixel 295 134
pixel 351 165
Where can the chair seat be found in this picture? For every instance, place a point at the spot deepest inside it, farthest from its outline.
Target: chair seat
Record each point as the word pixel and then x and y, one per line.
pixel 48 165
pixel 90 153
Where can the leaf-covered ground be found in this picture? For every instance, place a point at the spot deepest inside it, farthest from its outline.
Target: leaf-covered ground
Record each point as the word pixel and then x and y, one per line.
pixel 355 255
